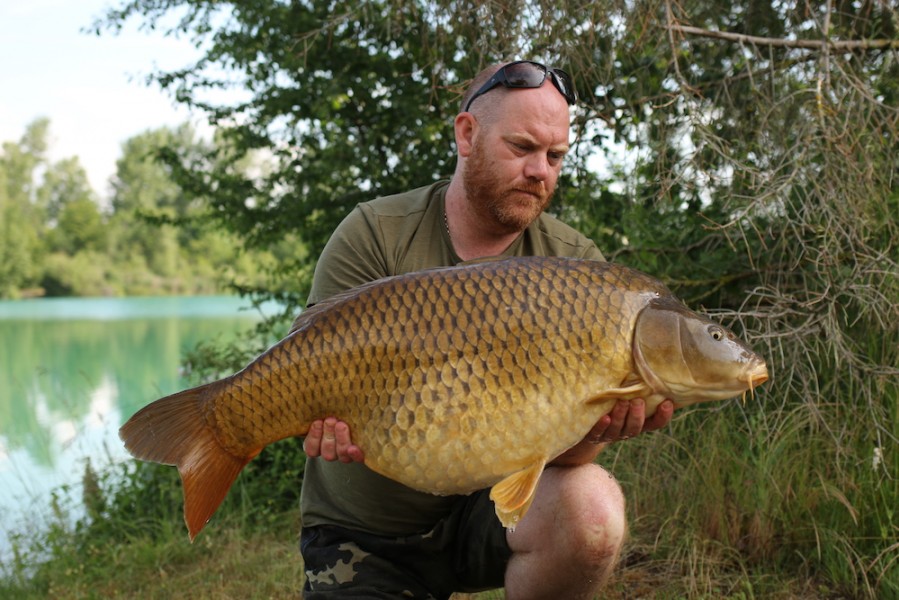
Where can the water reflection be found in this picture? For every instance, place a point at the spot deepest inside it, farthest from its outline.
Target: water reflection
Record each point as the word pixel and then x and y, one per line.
pixel 67 383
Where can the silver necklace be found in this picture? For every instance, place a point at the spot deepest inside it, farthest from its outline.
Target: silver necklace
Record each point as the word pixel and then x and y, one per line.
pixel 446 224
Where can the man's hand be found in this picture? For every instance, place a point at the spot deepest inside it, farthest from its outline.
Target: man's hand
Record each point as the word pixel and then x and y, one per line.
pixel 628 419
pixel 330 439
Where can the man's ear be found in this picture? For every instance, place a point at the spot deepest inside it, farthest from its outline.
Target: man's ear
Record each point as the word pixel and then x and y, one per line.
pixel 465 127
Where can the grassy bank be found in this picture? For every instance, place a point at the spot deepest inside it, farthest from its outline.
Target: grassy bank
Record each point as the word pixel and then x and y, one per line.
pixel 132 543
pixel 232 560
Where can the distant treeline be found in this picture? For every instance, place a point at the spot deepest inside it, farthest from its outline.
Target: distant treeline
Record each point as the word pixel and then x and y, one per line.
pixel 58 237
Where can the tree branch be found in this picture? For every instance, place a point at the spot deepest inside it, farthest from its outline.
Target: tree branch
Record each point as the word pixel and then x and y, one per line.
pixel 766 41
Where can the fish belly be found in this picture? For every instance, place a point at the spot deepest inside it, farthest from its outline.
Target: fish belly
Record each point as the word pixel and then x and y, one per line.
pixel 467 444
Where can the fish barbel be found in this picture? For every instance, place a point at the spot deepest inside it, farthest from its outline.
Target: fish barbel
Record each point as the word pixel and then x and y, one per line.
pixel 453 379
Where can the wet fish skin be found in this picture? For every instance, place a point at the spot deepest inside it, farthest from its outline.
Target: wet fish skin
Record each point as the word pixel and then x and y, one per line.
pixel 452 380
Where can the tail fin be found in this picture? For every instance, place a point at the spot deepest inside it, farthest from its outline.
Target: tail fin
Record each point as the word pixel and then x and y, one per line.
pixel 173 431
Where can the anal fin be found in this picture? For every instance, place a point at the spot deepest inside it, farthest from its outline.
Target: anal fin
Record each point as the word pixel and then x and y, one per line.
pixel 513 495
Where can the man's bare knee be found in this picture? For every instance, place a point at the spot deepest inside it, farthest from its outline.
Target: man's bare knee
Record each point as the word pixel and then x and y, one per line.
pixel 594 505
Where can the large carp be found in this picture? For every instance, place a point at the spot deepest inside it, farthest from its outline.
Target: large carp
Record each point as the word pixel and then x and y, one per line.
pixel 453 379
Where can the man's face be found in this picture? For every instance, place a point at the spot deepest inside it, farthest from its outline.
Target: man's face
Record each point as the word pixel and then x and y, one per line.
pixel 511 172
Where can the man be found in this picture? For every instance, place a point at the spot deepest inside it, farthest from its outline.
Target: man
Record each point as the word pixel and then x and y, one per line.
pixel 365 536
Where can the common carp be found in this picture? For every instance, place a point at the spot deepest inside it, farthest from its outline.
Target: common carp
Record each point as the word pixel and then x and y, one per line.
pixel 453 379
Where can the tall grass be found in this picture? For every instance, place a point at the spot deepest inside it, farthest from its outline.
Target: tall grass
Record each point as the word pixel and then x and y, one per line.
pixel 730 492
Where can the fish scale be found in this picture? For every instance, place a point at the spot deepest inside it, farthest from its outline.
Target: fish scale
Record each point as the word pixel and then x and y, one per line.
pixel 451 380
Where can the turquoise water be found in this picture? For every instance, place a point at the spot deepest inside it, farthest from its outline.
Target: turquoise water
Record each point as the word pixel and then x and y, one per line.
pixel 109 309
pixel 73 370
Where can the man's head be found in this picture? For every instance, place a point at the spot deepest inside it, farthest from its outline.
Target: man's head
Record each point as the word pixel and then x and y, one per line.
pixel 511 142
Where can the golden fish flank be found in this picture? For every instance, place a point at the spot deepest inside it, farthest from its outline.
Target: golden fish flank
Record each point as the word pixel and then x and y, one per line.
pixel 453 380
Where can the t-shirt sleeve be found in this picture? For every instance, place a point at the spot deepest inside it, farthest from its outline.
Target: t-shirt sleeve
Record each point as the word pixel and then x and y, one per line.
pixel 352 256
pixel 592 252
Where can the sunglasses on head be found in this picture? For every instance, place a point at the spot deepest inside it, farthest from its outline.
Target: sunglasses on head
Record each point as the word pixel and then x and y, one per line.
pixel 524 74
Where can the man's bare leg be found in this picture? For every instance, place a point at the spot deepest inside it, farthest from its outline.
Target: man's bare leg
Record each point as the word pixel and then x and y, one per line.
pixel 567 544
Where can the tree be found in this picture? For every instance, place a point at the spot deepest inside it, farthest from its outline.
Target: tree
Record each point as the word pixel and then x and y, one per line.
pixel 45 208
pixel 343 97
pixel 162 232
pixel 70 209
pixel 62 182
pixel 80 227
pixel 21 222
pixel 146 201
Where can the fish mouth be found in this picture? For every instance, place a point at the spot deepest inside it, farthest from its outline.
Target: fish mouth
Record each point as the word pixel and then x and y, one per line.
pixel 758 375
pixel 755 377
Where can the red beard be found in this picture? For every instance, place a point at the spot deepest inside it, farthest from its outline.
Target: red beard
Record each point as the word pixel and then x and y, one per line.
pixel 509 209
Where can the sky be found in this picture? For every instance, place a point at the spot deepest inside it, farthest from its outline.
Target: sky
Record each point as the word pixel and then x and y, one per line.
pixel 90 87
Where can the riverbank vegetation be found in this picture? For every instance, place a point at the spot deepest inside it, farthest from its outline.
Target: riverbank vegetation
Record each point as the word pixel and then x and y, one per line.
pixel 744 152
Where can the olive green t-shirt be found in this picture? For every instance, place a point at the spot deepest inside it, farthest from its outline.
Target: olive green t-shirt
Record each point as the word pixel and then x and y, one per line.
pixel 391 236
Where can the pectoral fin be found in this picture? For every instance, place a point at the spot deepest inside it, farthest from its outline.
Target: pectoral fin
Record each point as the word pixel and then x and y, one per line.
pixel 514 494
pixel 637 390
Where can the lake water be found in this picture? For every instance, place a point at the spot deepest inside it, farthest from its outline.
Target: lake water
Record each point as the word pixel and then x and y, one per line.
pixel 73 370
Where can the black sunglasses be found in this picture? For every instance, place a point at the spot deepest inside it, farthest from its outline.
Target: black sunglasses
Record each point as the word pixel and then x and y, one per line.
pixel 523 74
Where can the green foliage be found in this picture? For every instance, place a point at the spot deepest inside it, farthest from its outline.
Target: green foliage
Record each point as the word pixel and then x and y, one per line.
pixel 85 273
pixel 63 184
pixel 20 220
pixel 80 227
pixel 768 493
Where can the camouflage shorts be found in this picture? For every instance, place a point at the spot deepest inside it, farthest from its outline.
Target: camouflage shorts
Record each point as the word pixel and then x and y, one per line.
pixel 466 552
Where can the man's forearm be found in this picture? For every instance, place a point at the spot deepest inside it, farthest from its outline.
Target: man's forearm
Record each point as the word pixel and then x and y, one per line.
pixel 581 454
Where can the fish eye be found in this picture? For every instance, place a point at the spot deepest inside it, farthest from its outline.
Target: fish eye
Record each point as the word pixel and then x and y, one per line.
pixel 716 332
